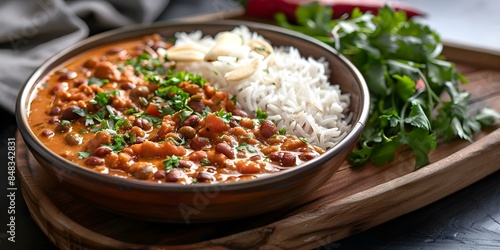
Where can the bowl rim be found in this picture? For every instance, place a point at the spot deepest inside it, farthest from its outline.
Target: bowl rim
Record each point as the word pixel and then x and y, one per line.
pixel 27 92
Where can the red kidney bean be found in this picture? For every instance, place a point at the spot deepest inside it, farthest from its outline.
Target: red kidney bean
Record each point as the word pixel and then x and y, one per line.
pixel 239 112
pixel 68 113
pixel 160 44
pixel 185 164
pixel 56 110
pixel 138 140
pixel 142 123
pixel 94 161
pixel 204 177
pixel 54 120
pixel 47 133
pixel 79 82
pixel 126 85
pixel 62 128
pixel 288 159
pixel 91 63
pixel 276 156
pixel 106 70
pixel 73 139
pixel 308 156
pixel 160 174
pixel 198 143
pixel 102 151
pixel 174 175
pixel 268 129
pixel 191 121
pixel 254 157
pixel 241 154
pixel 139 91
pixel 225 149
pixel 187 131
pixel 197 105
pixel 67 76
pixel 114 51
pixel 62 86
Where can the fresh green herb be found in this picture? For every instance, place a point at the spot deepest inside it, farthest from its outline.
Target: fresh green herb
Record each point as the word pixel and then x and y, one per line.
pixel 84 155
pixel 233 99
pixel 304 140
pixel 65 123
pixel 118 142
pixel 153 120
pixel 146 66
pixel 204 162
pixel 172 162
pixel 97 81
pixel 247 147
pixel 225 116
pixel 282 131
pixel 261 115
pixel 401 62
pixel 79 111
pixel 103 98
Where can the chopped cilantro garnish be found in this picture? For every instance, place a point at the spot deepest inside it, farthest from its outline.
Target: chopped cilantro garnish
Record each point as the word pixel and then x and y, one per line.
pixel 204 162
pixel 66 123
pixel 79 111
pixel 172 162
pixel 84 155
pixel 225 116
pixel 282 131
pixel 103 98
pixel 247 147
pixel 261 115
pixel 97 81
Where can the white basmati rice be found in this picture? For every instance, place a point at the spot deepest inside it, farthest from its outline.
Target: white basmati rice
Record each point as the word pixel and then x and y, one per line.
pixel 293 90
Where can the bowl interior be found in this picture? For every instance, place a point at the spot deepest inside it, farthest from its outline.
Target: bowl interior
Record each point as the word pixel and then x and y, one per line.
pixel 342 72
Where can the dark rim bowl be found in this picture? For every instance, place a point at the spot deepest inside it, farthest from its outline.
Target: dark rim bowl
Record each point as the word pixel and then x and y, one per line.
pixel 200 202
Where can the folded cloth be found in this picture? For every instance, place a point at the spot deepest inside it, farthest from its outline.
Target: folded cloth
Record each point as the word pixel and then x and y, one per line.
pixel 33 30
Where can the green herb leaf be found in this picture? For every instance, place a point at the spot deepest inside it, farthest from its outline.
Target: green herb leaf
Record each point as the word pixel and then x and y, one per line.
pixel 84 155
pixel 172 162
pixel 401 62
pixel 97 81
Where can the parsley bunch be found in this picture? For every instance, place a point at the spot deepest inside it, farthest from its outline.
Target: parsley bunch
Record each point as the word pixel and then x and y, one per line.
pixel 415 96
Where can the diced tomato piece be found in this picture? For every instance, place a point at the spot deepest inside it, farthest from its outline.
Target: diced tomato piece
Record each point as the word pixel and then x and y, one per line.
pixel 152 109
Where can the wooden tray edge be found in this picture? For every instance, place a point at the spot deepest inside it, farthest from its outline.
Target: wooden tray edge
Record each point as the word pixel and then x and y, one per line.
pixel 339 223
pixel 61 230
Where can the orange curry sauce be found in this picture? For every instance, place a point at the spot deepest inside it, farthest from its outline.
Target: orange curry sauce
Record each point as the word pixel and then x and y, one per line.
pixel 124 111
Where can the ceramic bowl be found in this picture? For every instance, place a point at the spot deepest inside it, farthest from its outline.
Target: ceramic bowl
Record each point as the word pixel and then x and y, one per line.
pixel 201 202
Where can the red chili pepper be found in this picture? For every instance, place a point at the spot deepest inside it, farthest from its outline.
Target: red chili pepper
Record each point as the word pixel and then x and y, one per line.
pixel 268 8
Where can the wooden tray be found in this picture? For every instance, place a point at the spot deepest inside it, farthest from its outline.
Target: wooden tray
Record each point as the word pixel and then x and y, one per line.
pixel 352 201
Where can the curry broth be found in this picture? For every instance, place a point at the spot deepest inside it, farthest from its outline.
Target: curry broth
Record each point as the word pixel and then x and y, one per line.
pixel 115 109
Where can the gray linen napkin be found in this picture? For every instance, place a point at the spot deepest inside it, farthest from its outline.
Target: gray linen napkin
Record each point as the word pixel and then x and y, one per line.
pixel 33 30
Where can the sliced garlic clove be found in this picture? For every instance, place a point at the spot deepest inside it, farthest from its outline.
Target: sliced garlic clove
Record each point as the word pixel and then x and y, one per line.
pixel 261 47
pixel 226 42
pixel 187 46
pixel 242 72
pixel 185 56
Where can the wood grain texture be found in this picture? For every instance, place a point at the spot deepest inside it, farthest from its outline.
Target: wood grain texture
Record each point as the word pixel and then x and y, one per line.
pixel 352 201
